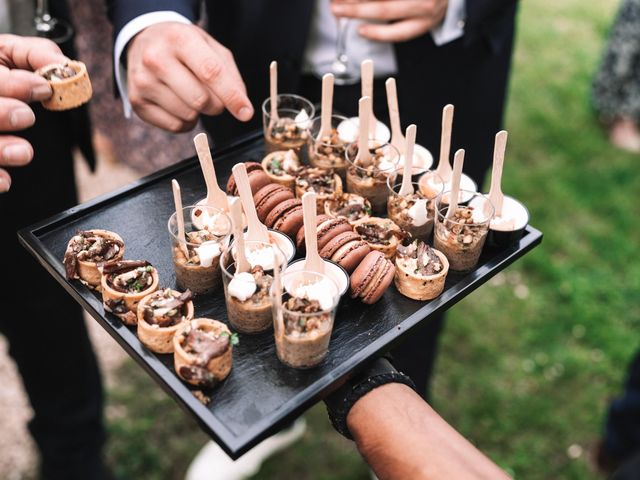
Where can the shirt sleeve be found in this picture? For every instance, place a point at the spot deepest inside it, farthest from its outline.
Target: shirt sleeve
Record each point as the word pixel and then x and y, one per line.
pixel 452 27
pixel 130 30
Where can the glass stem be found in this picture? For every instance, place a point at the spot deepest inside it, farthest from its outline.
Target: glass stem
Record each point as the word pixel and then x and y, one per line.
pixel 341 42
pixel 42 10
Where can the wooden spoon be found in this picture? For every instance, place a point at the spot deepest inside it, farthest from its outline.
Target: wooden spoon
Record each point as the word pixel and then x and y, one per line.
pixel 312 262
pixel 366 75
pixel 273 94
pixel 215 196
pixel 458 161
pixel 242 264
pixel 177 200
pixel 363 158
pixel 256 230
pixel 397 139
pixel 444 166
pixel 327 106
pixel 407 187
pixel 277 290
pixel 496 197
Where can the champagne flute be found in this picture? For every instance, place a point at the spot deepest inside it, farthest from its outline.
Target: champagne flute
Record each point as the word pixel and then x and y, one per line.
pixel 340 66
pixel 46 26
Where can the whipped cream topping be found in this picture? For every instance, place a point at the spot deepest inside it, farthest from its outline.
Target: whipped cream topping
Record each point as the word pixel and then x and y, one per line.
pixel 348 131
pixel 242 286
pixel 261 256
pixel 514 215
pixel 215 223
pixel 207 252
pixel 434 186
pixel 422 158
pixel 302 119
pixel 290 162
pixel 323 291
pixel 418 212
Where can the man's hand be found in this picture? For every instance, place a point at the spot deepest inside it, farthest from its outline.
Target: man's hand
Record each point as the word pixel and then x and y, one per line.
pixel 176 71
pixel 404 19
pixel 19 56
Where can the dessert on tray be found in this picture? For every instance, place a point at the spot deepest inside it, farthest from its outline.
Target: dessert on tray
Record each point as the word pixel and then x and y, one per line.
pixel 303 318
pixel 369 179
pixel 351 206
pixel 258 178
pixel 124 283
pixel 269 197
pixel 420 271
pixel 331 228
pixel 160 315
pixel 346 249
pixel 286 217
pixel 281 167
pixel 69 83
pixel 328 151
pixel 372 277
pixel 203 351
pixel 431 184
pixel 86 250
pixel 381 234
pixel 196 255
pixel 413 212
pixel 325 183
pixel 462 236
pixel 300 237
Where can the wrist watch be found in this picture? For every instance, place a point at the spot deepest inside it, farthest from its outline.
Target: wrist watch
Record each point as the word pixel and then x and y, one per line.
pixel 374 375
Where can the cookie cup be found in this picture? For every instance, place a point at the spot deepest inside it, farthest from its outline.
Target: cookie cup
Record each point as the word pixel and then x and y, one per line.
pixel 130 300
pixel 88 272
pixel 69 92
pixel 155 338
pixel 420 287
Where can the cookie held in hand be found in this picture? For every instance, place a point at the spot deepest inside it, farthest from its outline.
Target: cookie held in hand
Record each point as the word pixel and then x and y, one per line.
pixel 69 83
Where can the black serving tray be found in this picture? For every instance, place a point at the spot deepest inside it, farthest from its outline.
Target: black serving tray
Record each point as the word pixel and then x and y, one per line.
pixel 261 394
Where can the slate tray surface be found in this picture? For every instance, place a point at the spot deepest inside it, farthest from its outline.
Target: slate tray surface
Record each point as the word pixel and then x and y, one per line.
pixel 260 395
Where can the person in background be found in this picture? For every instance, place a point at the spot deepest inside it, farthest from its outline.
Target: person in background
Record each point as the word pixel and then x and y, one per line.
pixel 616 86
pixel 44 326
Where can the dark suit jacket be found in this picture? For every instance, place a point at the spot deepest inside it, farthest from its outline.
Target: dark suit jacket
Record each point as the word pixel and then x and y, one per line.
pixel 471 72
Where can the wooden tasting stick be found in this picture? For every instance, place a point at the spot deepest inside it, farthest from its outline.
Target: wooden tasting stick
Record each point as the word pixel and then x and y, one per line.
pixel 363 158
pixel 458 162
pixel 444 166
pixel 397 138
pixel 407 186
pixel 366 75
pixel 255 229
pixel 215 196
pixel 177 200
pixel 242 264
pixel 496 197
pixel 273 93
pixel 312 262
pixel 327 105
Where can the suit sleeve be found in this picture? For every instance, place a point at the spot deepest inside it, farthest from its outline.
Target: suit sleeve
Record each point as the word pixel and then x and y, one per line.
pixel 121 12
pixel 481 11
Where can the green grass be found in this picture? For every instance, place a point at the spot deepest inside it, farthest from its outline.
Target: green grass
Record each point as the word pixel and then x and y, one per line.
pixel 529 361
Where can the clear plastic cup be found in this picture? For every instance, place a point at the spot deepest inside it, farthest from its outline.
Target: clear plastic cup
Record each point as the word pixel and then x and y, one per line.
pixel 302 338
pixel 247 294
pixel 462 236
pixel 413 213
pixel 196 257
pixel 291 129
pixel 370 181
pixel 330 151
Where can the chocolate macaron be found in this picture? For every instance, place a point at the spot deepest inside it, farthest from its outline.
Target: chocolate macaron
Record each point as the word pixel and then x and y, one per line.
pixel 258 178
pixel 286 217
pixel 331 228
pixel 346 249
pixel 269 197
pixel 372 277
pixel 300 239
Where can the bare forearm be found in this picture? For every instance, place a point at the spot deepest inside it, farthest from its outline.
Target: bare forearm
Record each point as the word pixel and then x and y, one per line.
pixel 400 436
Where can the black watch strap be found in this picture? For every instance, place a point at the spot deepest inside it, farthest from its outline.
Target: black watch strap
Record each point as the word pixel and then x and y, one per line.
pixel 378 373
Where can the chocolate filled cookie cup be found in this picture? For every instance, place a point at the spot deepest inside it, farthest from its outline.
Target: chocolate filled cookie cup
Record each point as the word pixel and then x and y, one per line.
pixel 420 271
pixel 370 180
pixel 289 131
pixel 247 293
pixel 203 352
pixel 70 85
pixel 304 309
pixel 196 256
pixel 462 236
pixel 415 212
pixel 86 250
pixel 124 283
pixel 281 167
pixel 160 315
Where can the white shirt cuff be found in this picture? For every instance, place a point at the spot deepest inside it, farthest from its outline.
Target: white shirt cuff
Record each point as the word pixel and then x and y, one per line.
pixel 452 27
pixel 129 31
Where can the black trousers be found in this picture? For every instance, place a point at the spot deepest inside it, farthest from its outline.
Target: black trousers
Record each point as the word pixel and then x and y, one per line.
pixel 44 326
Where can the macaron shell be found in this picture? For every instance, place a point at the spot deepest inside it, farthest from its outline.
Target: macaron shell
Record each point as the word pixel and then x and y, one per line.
pixel 363 274
pixel 269 197
pixel 257 182
pixel 300 235
pixel 331 229
pixel 374 291
pixel 290 221
pixel 351 254
pixel 279 210
pixel 338 242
